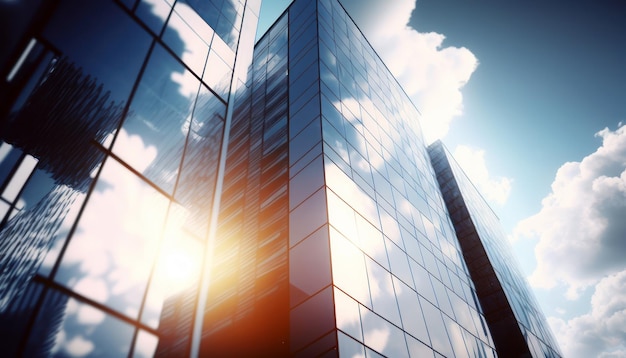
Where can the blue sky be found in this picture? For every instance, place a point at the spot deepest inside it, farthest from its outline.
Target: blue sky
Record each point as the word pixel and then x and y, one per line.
pixel 529 96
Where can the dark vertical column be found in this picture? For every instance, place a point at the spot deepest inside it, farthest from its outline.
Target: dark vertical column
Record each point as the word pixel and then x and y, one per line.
pixel 505 330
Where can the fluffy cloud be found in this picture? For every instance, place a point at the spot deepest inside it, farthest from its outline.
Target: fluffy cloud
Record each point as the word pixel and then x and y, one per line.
pixel 581 226
pixel 430 74
pixel 602 331
pixel 495 190
pixel 116 241
pixel 78 347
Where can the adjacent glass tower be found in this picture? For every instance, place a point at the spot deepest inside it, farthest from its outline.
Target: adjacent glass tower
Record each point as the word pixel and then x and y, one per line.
pixel 518 327
pixel 164 194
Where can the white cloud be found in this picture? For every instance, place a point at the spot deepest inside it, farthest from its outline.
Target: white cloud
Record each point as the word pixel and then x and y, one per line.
pixel 377 338
pixel 430 74
pixel 117 238
pixel 581 226
pixel 95 287
pixel 495 190
pixel 602 331
pixel 90 315
pixel 78 347
pixel 138 155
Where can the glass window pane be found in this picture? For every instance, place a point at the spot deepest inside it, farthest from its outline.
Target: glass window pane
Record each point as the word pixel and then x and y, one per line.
pixel 455 332
pixel 217 75
pixel 341 216
pixel 399 262
pixel 306 182
pixel 462 312
pixel 419 349
pixel 13 188
pixel 176 275
pixel 224 50
pixel 9 156
pixel 307 217
pixel 40 218
pixel 436 329
pixel 348 347
pixel 189 37
pixel 153 13
pixel 223 16
pixel 110 256
pixel 298 120
pixel 309 266
pixel 421 278
pixel 349 272
pixel 383 336
pixel 145 345
pixel 442 297
pixel 411 312
pixel 372 241
pixel 153 135
pixel 312 319
pixel 382 291
pixel 196 184
pixel 304 141
pixel 348 316
pixel 67 327
pixel 335 140
pixel 115 62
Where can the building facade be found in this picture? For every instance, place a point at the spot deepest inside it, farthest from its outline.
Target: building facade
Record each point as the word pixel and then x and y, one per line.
pixel 166 193
pixel 113 119
pixel 329 195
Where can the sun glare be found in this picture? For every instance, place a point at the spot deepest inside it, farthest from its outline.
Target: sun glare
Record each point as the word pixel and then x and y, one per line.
pixel 179 264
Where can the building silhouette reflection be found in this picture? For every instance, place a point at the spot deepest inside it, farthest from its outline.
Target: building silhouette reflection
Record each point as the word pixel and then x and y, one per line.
pixel 56 125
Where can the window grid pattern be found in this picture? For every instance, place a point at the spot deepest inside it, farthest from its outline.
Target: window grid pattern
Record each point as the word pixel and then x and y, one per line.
pixel 392 245
pixel 108 160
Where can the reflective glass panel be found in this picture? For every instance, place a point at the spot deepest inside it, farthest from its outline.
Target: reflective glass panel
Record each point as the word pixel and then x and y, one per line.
pixel 176 274
pixel 196 184
pixel 111 253
pixel 145 345
pixel 306 182
pixel 455 332
pixel 307 217
pixel 66 327
pixel 309 266
pixel 436 329
pixel 383 336
pixel 348 316
pixel 348 347
pixel 349 272
pixel 217 74
pixel 312 319
pixel 189 37
pixel 153 135
pixel 382 291
pixel 115 62
pixel 153 13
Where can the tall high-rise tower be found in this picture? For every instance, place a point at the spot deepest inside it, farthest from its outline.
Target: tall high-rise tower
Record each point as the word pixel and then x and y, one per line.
pixel 517 325
pixel 331 209
pixel 165 194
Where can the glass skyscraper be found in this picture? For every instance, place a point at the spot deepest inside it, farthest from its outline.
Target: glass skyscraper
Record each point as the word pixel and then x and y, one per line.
pixel 113 122
pixel 168 191
pixel 518 327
